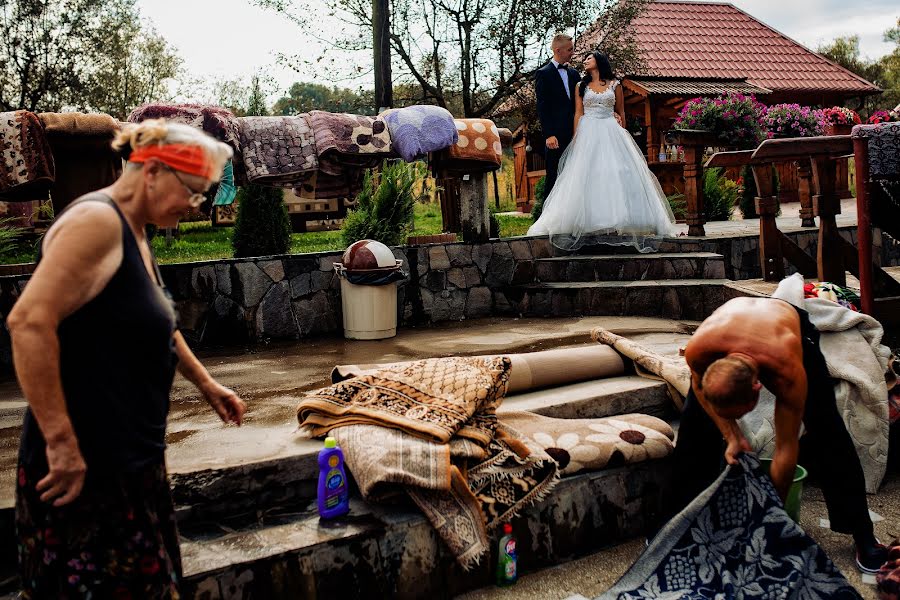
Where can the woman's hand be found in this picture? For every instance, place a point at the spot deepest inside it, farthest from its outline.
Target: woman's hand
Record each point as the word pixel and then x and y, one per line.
pixel 65 479
pixel 225 402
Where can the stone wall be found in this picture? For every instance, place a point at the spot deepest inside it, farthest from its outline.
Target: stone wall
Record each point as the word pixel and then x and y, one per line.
pixel 294 296
pixel 742 253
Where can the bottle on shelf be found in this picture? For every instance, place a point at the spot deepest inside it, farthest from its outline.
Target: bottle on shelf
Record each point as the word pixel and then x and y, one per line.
pixel 662 152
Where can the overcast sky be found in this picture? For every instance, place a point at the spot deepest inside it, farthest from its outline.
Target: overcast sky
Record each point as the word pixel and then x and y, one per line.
pixel 234 39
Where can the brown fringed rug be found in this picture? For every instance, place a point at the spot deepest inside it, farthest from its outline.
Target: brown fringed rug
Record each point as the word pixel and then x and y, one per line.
pixel 27 169
pixel 429 428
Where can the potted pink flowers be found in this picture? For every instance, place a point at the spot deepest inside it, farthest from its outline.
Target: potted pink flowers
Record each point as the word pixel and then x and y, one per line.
pixel 791 121
pixel 839 120
pixel 884 116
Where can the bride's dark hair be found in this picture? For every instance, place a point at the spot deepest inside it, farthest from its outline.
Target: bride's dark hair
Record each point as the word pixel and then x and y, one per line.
pixel 603 67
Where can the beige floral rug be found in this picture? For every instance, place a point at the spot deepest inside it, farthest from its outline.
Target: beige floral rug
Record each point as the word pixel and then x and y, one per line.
pixel 590 444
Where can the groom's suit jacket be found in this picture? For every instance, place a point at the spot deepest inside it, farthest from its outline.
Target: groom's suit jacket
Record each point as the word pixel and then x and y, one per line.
pixel 555 109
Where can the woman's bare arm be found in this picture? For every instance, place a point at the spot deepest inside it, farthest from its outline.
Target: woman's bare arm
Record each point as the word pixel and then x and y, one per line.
pixel 79 258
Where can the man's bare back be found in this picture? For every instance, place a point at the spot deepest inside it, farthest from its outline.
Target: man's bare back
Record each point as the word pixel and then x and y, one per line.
pixel 764 329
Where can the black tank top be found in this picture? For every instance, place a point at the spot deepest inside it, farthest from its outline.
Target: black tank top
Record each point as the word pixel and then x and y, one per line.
pixel 117 360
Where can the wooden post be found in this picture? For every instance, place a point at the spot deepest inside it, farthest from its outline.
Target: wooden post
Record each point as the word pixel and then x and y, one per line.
pixel 651 128
pixel 381 48
pixel 864 227
pixel 693 141
pixel 804 190
pixel 826 205
pixel 771 260
pixel 474 216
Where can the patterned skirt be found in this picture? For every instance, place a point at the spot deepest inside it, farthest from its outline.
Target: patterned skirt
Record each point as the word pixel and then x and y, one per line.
pixel 118 539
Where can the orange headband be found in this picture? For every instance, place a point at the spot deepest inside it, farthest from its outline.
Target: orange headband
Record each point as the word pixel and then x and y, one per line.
pixel 181 157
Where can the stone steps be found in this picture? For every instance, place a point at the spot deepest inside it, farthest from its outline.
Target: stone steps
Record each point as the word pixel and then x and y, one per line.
pixel 687 299
pixel 634 267
pixel 238 535
pixel 393 552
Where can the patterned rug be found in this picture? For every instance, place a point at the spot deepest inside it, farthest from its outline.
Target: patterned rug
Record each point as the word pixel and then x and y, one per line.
pixel 417 130
pixel 734 541
pixel 429 428
pixel 435 399
pixel 591 444
pixel 345 141
pixel 277 150
pixel 26 162
pixel 478 149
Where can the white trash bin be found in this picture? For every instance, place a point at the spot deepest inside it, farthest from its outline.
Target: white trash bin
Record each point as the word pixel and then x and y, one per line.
pixel 369 309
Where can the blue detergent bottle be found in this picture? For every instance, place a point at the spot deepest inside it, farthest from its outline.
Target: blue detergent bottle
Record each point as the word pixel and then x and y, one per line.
pixel 333 497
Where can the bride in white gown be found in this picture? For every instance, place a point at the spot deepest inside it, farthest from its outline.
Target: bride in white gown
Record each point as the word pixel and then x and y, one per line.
pixel 605 193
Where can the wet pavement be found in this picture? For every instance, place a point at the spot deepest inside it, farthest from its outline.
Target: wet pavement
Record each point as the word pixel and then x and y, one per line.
pixel 270 379
pixel 594 574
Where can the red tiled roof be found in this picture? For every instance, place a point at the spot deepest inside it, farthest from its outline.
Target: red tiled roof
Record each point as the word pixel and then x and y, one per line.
pixel 708 40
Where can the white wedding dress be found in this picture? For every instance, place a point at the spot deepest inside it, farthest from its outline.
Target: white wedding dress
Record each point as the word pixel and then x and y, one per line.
pixel 605 193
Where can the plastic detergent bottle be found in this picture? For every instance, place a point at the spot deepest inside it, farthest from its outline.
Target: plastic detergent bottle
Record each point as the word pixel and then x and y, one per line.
pixel 333 497
pixel 507 558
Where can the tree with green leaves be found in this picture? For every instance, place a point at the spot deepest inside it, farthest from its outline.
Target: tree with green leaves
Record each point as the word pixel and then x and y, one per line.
pixel 474 54
pixel 304 97
pixel 883 72
pixel 262 226
pixel 135 66
pixel 80 54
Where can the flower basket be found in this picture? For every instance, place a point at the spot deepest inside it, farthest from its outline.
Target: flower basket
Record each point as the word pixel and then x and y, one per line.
pixel 838 129
pixel 840 120
pixel 792 121
pixel 733 118
pixel 884 116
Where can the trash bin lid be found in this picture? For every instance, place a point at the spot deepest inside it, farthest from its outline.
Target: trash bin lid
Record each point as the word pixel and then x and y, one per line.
pixel 368 255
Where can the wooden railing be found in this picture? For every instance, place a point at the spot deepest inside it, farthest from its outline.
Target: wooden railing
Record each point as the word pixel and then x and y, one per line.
pixel 879 294
pixel 835 255
pixel 694 143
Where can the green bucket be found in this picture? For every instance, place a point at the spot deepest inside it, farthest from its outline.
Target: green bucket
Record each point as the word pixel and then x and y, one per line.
pixel 792 503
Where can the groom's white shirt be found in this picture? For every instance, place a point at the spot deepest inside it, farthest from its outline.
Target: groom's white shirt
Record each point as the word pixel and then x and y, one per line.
pixel 564 75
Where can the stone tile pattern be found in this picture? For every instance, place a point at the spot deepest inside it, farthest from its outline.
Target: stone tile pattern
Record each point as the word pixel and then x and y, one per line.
pixel 391 552
pixel 289 297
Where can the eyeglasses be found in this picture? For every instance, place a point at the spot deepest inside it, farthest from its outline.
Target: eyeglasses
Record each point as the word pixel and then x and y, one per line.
pixel 195 198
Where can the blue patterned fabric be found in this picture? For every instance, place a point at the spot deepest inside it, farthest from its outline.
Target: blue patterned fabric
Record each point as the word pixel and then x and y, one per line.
pixel 733 541
pixel 226 192
pixel 417 130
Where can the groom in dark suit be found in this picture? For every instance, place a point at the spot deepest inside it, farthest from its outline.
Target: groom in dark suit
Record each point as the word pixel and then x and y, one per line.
pixel 555 87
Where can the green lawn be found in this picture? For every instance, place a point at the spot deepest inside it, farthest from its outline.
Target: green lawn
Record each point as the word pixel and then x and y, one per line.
pixel 199 240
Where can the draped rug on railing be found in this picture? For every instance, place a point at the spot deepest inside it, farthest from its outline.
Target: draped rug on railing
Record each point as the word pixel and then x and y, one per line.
pixel 277 150
pixel 883 141
pixel 82 150
pixel 345 141
pixel 417 130
pixel 27 169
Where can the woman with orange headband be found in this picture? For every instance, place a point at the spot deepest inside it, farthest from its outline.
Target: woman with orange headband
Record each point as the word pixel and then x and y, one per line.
pixel 95 350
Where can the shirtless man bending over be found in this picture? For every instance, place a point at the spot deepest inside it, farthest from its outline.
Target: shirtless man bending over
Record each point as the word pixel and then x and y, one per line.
pixel 753 342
